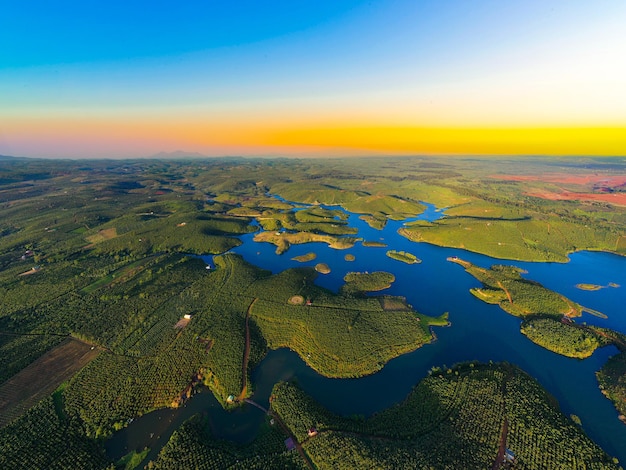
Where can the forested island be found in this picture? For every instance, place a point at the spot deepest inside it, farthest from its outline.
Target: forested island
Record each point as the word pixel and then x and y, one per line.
pixel 403 256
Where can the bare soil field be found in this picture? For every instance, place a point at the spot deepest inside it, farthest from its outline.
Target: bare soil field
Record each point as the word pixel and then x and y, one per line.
pixel 296 300
pixel 618 199
pixel 182 323
pixel 594 187
pixel 393 303
pixel 102 235
pixel 564 178
pixel 40 378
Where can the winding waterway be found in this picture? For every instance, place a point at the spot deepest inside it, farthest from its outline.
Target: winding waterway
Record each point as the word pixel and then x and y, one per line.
pixel 478 331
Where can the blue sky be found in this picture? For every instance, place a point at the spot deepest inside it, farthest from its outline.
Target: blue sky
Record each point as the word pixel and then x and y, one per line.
pixel 245 65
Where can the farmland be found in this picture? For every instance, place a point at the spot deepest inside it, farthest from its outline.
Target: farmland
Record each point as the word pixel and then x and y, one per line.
pixel 41 377
pixel 111 248
pixel 451 419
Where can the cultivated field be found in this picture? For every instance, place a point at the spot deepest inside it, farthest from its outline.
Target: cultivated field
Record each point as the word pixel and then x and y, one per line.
pixel 41 377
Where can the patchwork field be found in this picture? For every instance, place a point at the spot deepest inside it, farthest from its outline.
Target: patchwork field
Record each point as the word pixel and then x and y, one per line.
pixel 41 377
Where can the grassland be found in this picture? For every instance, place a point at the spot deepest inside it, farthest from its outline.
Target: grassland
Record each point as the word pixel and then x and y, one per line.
pixel 591 287
pixel 374 244
pixel 322 268
pixel 378 205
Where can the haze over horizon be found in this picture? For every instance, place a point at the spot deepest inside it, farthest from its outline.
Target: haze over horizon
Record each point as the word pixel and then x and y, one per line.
pixel 277 78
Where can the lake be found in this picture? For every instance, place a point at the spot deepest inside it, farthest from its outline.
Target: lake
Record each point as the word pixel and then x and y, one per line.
pixel 478 331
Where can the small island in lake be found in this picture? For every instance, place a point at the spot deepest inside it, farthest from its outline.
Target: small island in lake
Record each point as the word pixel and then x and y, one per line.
pixel 283 240
pixel 304 258
pixel 583 286
pixel 358 283
pixel 322 268
pixel 403 256
pixel 374 244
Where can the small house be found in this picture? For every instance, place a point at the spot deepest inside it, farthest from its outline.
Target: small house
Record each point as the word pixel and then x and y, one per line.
pixel 509 456
pixel 312 432
pixel 230 399
pixel 187 317
pixel 290 444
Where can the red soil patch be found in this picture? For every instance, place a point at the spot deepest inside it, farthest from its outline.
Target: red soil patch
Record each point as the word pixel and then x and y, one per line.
pixel 182 323
pixel 595 187
pixel 618 199
pixel 563 178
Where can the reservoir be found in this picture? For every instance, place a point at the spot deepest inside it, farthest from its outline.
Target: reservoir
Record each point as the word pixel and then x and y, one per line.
pixel 478 331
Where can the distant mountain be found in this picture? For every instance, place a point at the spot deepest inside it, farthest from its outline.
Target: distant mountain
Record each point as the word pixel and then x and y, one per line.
pixel 7 157
pixel 178 154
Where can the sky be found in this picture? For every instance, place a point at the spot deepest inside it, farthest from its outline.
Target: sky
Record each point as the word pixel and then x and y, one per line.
pixel 83 79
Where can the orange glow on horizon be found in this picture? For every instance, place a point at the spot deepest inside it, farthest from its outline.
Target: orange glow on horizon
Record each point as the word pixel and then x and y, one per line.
pixel 251 138
pixel 473 141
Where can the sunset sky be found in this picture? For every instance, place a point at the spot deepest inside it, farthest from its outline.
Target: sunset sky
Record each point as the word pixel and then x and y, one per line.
pixel 300 78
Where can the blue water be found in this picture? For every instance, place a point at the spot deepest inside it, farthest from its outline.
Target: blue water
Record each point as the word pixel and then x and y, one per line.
pixel 478 331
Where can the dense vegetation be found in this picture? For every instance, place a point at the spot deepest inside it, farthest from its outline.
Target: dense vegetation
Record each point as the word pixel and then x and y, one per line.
pixel 336 335
pixel 504 286
pixel 561 338
pixel 408 258
pixel 193 446
pixel 452 419
pixel 547 314
pixel 360 283
pixel 100 251
pixel 47 437
pixel 612 379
